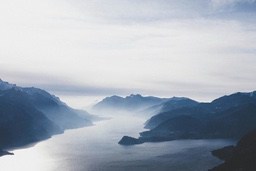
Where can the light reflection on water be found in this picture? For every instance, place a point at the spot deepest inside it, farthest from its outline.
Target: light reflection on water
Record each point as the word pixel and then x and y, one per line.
pixel 95 148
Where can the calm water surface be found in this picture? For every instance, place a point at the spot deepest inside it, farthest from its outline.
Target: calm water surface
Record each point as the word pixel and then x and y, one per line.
pixel 95 149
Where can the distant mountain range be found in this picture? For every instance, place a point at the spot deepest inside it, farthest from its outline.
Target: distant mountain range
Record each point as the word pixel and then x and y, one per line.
pixel 226 117
pixel 147 105
pixel 128 103
pixel 30 114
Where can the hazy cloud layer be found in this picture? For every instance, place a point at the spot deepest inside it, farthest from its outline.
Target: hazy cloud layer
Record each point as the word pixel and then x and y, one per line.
pixel 61 85
pixel 162 47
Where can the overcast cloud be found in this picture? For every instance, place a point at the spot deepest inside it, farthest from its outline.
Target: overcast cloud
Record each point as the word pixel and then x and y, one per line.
pixel 201 49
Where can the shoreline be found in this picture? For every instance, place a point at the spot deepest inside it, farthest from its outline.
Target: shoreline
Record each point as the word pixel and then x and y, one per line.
pixel 6 151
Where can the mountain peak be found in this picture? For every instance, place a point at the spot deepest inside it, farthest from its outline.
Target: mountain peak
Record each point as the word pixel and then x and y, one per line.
pixel 135 95
pixel 5 85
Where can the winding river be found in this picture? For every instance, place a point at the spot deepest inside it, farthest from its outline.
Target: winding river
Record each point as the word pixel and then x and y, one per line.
pixel 95 148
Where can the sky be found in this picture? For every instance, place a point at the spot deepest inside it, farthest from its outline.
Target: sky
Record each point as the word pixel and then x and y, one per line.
pixel 84 50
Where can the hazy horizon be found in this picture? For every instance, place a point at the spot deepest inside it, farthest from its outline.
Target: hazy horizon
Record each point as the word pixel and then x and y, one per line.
pixel 85 50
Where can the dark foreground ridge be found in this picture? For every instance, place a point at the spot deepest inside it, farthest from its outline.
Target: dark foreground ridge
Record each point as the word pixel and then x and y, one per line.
pixel 241 157
pixel 29 115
